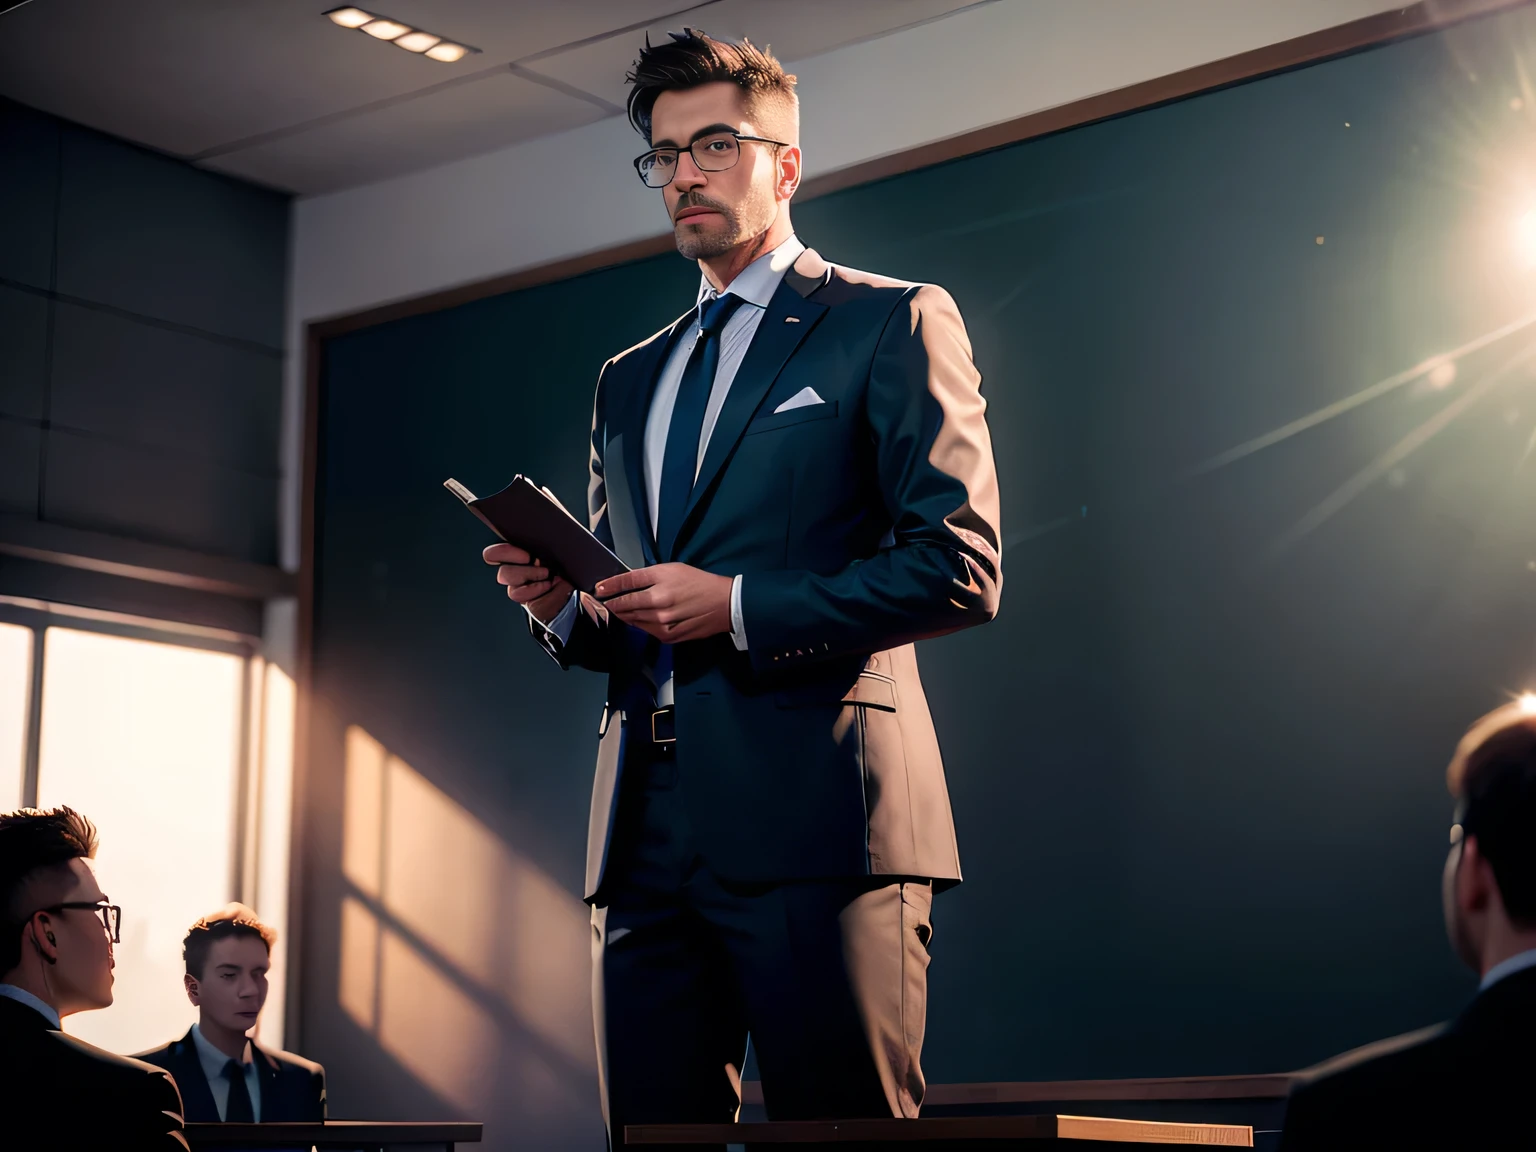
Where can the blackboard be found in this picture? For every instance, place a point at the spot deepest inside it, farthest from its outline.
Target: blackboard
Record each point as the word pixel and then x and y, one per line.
pixel 1197 762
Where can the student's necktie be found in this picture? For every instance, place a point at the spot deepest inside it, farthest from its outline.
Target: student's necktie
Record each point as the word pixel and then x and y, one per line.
pixel 238 1110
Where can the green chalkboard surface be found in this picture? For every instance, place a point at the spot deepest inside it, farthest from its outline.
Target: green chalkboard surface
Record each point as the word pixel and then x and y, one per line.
pixel 1264 404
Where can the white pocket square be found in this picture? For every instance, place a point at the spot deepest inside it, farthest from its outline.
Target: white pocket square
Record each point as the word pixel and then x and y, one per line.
pixel 801 399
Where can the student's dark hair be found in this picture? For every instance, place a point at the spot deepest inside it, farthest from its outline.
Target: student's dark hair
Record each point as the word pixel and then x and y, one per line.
pixel 31 841
pixel 690 58
pixel 230 920
pixel 1494 777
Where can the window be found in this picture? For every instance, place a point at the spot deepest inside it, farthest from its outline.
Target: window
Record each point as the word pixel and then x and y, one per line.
pixel 15 696
pixel 179 748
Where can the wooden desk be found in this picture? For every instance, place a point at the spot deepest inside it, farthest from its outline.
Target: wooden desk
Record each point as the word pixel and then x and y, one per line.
pixel 340 1134
pixel 1272 1087
pixel 947 1132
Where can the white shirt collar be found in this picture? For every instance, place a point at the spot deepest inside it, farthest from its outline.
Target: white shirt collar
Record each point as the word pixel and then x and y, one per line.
pixel 42 1007
pixel 759 280
pixel 211 1058
pixel 1519 962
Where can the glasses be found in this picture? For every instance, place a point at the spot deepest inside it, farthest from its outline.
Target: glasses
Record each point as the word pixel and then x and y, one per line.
pixel 713 153
pixel 110 915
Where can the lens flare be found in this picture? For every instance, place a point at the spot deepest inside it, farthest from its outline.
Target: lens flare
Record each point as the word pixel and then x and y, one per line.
pixel 1525 238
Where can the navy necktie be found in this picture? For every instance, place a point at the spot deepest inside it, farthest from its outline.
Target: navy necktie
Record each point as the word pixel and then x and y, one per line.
pixel 680 462
pixel 237 1110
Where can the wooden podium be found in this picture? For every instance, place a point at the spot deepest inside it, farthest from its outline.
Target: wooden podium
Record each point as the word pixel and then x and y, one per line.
pixel 1187 1111
pixel 334 1134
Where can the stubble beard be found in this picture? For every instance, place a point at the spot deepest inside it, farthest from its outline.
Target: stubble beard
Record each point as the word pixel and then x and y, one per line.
pixel 700 242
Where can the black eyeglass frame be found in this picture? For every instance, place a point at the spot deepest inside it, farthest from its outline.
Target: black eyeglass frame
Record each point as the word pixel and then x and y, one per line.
pixel 111 915
pixel 739 138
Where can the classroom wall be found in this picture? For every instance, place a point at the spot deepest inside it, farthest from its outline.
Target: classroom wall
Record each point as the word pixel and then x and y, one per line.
pixel 1197 762
pixel 567 194
pixel 141 336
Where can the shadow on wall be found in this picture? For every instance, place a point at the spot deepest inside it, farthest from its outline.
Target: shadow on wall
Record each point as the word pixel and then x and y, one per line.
pixel 468 965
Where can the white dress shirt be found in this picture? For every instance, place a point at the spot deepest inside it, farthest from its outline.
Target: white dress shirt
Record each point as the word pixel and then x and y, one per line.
pixel 42 1007
pixel 213 1062
pixel 756 284
pixel 1519 962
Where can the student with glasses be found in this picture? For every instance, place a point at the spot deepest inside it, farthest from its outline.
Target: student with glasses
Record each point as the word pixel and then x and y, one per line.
pixel 56 1091
pixel 798 473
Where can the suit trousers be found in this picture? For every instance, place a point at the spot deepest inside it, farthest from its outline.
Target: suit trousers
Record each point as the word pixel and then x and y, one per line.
pixel 829 978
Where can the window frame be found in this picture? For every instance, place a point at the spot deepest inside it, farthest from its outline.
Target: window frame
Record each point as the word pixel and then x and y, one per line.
pixel 39 615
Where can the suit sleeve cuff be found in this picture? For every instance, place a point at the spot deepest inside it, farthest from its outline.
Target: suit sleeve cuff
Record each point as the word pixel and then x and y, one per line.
pixel 560 627
pixel 738 626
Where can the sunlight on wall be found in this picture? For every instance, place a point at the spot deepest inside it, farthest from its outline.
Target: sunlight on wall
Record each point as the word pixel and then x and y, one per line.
pixel 362 830
pixel 143 739
pixel 452 930
pixel 495 917
pixel 417 1001
pixel 274 826
pixel 15 694
pixel 359 963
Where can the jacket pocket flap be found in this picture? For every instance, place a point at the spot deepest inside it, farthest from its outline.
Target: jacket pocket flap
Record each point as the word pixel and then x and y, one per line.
pixel 871 690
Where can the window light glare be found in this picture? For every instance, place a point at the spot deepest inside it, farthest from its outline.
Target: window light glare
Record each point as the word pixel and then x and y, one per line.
pixel 349 17
pixel 386 29
pixel 417 41
pixel 1525 236
pixel 448 52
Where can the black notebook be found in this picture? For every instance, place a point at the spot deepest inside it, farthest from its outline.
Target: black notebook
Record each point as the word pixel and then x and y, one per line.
pixel 524 514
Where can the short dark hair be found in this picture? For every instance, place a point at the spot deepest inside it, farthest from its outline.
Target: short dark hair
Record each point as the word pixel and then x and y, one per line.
pixel 1494 779
pixel 230 920
pixel 690 58
pixel 32 841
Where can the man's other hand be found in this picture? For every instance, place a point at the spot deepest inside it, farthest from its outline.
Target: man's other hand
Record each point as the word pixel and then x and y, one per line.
pixel 673 602
pixel 528 582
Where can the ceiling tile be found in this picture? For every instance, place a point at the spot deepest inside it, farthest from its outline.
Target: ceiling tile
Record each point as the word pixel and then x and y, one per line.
pixel 188 78
pixel 794 29
pixel 488 113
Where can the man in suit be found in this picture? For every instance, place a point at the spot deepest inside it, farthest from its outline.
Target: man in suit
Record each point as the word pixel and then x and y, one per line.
pixel 225 1076
pixel 55 960
pixel 1469 1083
pixel 799 473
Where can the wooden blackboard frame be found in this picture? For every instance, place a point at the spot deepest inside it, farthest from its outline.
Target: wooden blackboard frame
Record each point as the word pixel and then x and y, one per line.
pixel 1421 18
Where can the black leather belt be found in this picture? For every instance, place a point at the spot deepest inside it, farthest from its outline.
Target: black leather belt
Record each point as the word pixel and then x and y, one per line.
pixel 664 727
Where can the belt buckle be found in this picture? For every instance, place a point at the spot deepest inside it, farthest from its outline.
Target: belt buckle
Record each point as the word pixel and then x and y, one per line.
pixel 655 739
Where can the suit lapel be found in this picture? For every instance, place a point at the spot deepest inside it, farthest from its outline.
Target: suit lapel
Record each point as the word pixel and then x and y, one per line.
pixel 196 1097
pixel 788 320
pixel 266 1075
pixel 631 425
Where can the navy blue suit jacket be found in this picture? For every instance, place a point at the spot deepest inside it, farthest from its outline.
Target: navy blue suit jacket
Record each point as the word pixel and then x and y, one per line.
pixel 292 1088
pixel 1463 1085
pixel 58 1092
pixel 859 525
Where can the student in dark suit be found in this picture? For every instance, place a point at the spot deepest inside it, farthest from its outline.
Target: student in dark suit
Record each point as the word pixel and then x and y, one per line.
pixel 799 470
pixel 224 1075
pixel 1470 1083
pixel 56 1091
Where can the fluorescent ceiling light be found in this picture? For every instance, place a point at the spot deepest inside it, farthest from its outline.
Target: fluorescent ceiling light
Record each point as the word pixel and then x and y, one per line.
pixel 417 41
pixel 349 17
pixel 449 52
pixel 386 29
pixel 403 35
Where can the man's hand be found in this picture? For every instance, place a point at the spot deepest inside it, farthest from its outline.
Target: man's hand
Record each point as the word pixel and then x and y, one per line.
pixel 673 602
pixel 527 581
